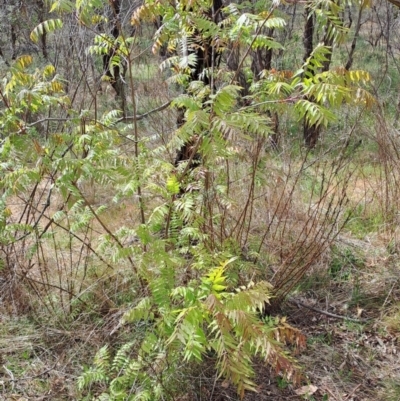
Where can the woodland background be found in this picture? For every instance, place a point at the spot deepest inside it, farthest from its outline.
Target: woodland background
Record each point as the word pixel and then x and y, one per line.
pixel 199 200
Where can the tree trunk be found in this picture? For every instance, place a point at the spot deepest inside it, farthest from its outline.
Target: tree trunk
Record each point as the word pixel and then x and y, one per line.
pixel 13 42
pixel 354 42
pixel 310 131
pixel 205 55
pixel 308 38
pixel 116 71
pixel 233 64
pixel 43 37
pixel 261 59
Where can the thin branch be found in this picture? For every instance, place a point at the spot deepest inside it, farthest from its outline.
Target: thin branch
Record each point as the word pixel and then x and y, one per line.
pixel 326 313
pixel 258 31
pixel 46 119
pixel 142 116
pixel 30 377
pixel 395 2
pixel 24 276
pixel 45 206
pixel 127 118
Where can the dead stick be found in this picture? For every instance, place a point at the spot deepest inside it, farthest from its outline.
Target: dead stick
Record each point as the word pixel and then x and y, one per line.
pixel 298 303
pixel 353 392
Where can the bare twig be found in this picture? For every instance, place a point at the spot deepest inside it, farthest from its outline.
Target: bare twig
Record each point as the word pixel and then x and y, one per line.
pixel 12 379
pixel 142 116
pixel 127 118
pixel 326 313
pixel 350 395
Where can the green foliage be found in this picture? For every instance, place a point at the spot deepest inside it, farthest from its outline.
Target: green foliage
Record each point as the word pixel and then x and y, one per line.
pixel 45 27
pixel 328 14
pixel 363 221
pixel 343 262
pixel 316 95
pixel 391 390
pixel 181 324
pixel 62 6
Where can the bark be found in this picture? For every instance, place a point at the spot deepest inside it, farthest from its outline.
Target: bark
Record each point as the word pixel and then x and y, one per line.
pixel 354 41
pixel 13 42
pixel 328 41
pixel 310 131
pixel 261 59
pixel 2 56
pixel 308 38
pixel 395 2
pixel 116 72
pixel 43 37
pixel 232 63
pixel 206 60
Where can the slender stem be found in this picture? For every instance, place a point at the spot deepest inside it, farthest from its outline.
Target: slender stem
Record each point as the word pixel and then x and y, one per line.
pixel 107 230
pixel 136 136
pixel 258 31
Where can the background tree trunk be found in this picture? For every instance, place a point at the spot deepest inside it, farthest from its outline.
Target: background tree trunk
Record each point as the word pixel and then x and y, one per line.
pixel 310 131
pixel 205 56
pixel 261 59
pixel 116 71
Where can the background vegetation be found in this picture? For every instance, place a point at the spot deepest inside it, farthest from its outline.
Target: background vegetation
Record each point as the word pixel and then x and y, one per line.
pixel 199 200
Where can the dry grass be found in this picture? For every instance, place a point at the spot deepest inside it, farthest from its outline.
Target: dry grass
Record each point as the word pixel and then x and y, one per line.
pixel 43 364
pixel 344 359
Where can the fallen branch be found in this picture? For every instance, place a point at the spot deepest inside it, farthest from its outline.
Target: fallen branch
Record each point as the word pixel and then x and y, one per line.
pixel 326 313
pixel 12 379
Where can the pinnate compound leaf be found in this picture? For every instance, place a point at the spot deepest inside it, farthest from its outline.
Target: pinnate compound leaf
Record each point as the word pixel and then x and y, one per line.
pixel 45 27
